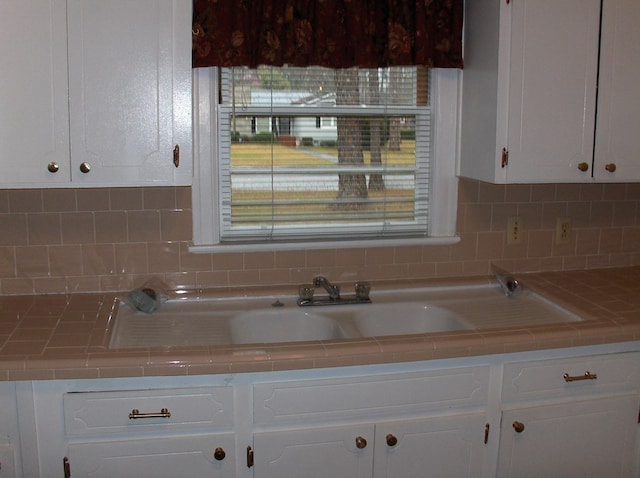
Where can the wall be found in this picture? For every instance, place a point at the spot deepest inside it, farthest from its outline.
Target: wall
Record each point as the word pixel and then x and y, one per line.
pixel 65 240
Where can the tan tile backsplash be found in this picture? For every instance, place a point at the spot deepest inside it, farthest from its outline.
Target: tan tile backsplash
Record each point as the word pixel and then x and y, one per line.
pixel 65 240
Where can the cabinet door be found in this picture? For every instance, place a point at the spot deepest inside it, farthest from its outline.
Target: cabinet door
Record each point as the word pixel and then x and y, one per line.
pixel 34 116
pixel 184 457
pixel 617 139
pixel 550 115
pixel 592 438
pixel 130 91
pixel 9 434
pixel 336 452
pixel 449 446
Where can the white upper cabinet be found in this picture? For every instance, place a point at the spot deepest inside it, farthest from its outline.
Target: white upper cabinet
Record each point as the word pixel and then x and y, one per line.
pixel 34 113
pixel 95 93
pixel 531 90
pixel 617 148
pixel 130 91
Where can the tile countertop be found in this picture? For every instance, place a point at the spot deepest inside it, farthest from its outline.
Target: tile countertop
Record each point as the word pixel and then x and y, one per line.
pixel 66 336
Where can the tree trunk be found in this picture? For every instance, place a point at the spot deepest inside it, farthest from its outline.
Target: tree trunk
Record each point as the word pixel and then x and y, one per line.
pixel 395 80
pixel 350 186
pixel 376 181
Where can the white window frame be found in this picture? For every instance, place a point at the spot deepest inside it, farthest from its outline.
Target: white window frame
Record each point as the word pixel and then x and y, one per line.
pixel 445 105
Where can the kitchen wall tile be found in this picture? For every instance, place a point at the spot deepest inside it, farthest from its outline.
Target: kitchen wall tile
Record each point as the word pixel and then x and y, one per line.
pixel 111 226
pixel 126 199
pixel 59 200
pixel 14 230
pixel 78 228
pixel 32 261
pixel 7 262
pixel 131 258
pixel 543 192
pixel 65 261
pixel 95 199
pixel 4 201
pixel 159 198
pixel 25 200
pixel 591 192
pixel 44 228
pixel 143 226
pixel 99 259
pixel 175 225
pixel 128 234
pixel 163 256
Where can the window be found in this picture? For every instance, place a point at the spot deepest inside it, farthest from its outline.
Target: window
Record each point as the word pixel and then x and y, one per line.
pixel 302 157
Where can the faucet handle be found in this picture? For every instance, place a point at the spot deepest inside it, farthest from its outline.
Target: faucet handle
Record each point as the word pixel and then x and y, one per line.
pixel 305 291
pixel 362 290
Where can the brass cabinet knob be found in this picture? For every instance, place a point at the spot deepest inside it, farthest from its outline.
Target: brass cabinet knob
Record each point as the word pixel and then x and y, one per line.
pixel 53 167
pixel 583 167
pixel 391 440
pixel 611 167
pixel 361 442
pixel 518 426
pixel 219 454
pixel 85 167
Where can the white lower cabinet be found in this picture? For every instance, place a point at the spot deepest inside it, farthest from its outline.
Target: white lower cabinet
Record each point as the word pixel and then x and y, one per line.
pixel 591 438
pixel 184 457
pixel 418 425
pixel 446 446
pixel 443 446
pixel 570 417
pixel 9 432
pixel 562 413
pixel 319 452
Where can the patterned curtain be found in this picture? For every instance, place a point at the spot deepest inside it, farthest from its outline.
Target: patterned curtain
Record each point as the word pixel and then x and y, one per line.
pixel 330 33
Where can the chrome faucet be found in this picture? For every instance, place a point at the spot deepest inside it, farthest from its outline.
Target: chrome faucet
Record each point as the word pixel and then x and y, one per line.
pixel 510 285
pixel 332 290
pixel 306 296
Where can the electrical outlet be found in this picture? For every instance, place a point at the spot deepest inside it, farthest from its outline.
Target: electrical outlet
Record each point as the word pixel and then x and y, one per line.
pixel 563 230
pixel 514 230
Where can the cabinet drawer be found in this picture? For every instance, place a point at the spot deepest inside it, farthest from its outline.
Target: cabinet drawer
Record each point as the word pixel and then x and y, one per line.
pixel 370 396
pixel 179 456
pixel 90 413
pixel 584 376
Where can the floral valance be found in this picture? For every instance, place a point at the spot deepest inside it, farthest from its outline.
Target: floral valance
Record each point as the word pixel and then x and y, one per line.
pixel 330 33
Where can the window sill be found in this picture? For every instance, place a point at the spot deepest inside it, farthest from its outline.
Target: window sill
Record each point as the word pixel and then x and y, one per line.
pixel 337 244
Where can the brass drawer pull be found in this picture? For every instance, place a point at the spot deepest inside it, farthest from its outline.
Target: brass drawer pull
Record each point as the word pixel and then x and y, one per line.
pixel 573 378
pixel 135 413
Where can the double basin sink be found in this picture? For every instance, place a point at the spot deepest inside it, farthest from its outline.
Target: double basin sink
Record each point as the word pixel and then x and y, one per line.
pixel 210 321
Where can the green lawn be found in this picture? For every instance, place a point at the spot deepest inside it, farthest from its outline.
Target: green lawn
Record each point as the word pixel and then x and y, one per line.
pixel 254 206
pixel 259 155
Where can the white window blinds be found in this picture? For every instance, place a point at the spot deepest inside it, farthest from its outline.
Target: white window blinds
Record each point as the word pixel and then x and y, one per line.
pixel 316 153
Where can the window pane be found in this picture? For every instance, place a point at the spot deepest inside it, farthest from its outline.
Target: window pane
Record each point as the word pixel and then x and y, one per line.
pixel 301 158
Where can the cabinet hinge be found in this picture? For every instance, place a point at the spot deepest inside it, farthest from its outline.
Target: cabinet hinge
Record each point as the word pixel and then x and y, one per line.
pixel 486 433
pixel 249 457
pixel 505 158
pixel 66 467
pixel 176 155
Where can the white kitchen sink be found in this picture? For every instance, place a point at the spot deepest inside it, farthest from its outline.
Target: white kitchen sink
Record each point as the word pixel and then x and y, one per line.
pixel 245 320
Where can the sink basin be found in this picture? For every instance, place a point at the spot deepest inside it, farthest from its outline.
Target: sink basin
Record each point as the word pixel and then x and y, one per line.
pixel 214 321
pixel 282 325
pixel 411 318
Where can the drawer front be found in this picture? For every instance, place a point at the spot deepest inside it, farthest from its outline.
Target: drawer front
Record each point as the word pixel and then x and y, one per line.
pixel 570 377
pixel 370 396
pixel 91 413
pixel 181 456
